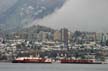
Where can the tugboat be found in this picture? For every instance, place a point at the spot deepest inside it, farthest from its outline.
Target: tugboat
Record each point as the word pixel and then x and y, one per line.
pixel 32 60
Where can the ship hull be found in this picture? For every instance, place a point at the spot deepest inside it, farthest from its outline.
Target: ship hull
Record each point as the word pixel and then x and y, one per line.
pixel 63 61
pixel 31 60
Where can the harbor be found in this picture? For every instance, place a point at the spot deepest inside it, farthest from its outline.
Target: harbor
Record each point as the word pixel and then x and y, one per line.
pixel 73 47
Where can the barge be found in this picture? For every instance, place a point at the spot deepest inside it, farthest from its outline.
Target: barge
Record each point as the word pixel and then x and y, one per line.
pixel 80 61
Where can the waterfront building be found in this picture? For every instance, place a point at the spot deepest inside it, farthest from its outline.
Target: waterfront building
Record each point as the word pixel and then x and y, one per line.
pixel 50 36
pixel 91 36
pixel 70 34
pixel 57 36
pixel 98 37
pixel 42 36
pixel 64 37
pixel 103 39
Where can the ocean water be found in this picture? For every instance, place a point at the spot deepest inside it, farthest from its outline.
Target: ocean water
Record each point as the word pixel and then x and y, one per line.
pixel 53 67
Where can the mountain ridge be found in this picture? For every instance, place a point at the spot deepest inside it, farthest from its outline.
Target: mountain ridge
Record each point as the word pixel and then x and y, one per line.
pixel 24 12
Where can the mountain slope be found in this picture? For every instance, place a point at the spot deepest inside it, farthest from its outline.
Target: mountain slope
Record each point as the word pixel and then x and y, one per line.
pixel 24 12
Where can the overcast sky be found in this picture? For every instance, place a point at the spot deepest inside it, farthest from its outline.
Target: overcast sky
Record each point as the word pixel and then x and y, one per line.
pixel 84 15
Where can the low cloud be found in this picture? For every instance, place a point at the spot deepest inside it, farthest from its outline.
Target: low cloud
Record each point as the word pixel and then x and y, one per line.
pixel 84 15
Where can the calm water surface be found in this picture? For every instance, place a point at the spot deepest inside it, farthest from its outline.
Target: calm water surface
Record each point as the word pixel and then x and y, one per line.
pixel 53 67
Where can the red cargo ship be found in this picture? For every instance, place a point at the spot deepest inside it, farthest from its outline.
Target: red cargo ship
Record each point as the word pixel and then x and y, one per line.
pixel 32 60
pixel 80 61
